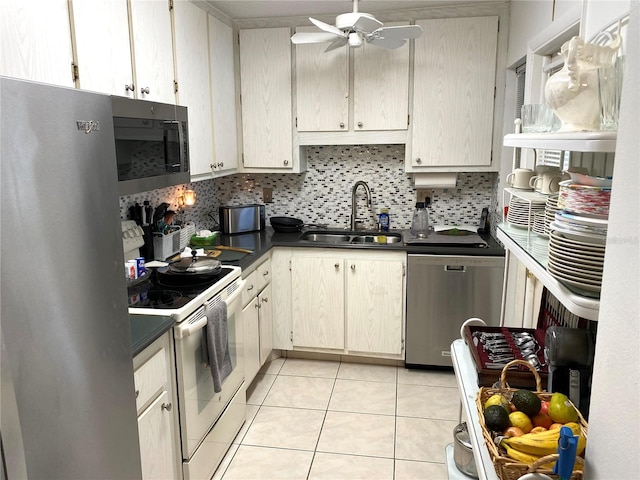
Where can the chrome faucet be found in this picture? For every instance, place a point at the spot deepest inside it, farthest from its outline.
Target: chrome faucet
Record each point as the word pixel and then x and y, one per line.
pixel 353 201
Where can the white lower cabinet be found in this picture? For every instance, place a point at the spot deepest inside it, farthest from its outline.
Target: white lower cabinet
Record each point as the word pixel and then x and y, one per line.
pixel 346 302
pixel 375 305
pixel 156 405
pixel 257 314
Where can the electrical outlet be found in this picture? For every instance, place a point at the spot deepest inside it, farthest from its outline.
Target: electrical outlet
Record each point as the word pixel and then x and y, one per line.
pixel 425 196
pixel 267 195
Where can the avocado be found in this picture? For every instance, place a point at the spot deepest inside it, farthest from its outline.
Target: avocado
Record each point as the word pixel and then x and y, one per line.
pixel 527 402
pixel 496 418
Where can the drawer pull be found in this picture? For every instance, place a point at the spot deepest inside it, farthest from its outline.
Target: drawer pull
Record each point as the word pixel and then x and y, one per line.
pixel 166 406
pixel 265 300
pixel 266 273
pixel 137 393
pixel 249 288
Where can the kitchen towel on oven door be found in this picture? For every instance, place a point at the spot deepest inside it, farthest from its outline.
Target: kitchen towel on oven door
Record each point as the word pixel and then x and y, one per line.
pixel 217 339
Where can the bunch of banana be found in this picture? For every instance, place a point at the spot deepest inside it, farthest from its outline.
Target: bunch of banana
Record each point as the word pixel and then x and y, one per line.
pixel 543 443
pixel 522 457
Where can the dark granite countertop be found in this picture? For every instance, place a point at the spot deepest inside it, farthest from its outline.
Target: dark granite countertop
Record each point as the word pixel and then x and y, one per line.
pixel 261 242
pixel 145 329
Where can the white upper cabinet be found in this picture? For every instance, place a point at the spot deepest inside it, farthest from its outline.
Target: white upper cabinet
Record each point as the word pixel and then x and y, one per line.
pixel 381 87
pixel 223 97
pixel 453 93
pixel 36 41
pixel 377 99
pixel 152 50
pixel 322 86
pixel 265 77
pixel 192 74
pixel 104 66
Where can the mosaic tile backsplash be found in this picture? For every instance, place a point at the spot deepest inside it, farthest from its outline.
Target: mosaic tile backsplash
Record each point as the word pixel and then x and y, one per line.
pixel 322 195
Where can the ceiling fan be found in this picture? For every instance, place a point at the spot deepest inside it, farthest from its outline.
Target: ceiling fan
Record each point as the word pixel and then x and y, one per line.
pixel 356 28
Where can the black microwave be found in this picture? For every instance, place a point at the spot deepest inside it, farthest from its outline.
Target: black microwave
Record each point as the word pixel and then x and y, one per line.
pixel 152 144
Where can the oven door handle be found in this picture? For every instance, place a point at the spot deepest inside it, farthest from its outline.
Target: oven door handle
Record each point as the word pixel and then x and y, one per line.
pixel 182 330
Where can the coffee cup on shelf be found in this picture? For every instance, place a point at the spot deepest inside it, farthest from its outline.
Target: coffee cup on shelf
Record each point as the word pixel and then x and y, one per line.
pixel 546 183
pixel 520 178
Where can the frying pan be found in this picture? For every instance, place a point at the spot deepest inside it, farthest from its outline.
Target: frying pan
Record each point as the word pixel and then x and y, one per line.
pixel 286 224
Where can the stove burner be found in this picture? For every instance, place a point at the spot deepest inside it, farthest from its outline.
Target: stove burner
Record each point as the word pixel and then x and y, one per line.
pixel 162 298
pixel 168 290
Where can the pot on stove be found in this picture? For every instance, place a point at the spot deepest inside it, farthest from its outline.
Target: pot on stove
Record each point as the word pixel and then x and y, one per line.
pixel 190 269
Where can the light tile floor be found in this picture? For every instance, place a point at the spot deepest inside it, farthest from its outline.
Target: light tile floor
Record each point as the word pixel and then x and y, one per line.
pixel 317 419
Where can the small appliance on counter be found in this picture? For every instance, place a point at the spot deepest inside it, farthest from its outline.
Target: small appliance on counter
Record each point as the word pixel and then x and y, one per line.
pixel 569 353
pixel 241 218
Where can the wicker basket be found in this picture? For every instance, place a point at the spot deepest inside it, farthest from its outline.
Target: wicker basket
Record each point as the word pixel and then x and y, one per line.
pixel 507 468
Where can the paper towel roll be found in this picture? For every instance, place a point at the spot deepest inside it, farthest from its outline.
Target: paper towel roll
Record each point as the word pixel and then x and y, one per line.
pixel 435 180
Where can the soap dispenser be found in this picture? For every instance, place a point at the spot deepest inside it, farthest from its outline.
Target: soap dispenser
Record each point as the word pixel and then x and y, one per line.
pixel 420 222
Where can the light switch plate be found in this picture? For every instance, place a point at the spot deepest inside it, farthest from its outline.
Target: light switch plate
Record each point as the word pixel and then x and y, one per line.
pixel 267 195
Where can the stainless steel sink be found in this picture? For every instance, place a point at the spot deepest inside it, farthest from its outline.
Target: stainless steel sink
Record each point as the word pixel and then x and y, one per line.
pixel 351 237
pixel 325 237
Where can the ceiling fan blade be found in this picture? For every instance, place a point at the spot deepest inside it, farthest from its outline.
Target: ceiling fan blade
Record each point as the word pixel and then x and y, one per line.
pixel 398 32
pixel 386 42
pixel 313 37
pixel 327 28
pixel 337 43
pixel 366 23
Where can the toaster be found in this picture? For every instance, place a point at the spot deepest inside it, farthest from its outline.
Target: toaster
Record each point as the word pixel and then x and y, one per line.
pixel 241 218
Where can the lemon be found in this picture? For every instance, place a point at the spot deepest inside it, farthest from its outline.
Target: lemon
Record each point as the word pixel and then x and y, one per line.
pixel 520 420
pixel 498 399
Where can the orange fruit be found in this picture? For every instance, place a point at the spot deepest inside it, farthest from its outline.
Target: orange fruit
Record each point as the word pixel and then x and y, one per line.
pixel 553 426
pixel 538 430
pixel 520 420
pixel 512 432
pixel 541 420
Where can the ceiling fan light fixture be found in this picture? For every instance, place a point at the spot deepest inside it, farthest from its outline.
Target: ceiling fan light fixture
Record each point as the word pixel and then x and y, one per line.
pixel 355 40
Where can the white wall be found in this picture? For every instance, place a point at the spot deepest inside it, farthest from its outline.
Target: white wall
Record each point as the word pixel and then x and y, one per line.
pixel 614 421
pixel 530 17
pixel 600 13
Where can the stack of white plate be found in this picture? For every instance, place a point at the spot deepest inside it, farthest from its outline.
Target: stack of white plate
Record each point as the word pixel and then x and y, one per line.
pixel 550 209
pixel 539 223
pixel 576 258
pixel 519 214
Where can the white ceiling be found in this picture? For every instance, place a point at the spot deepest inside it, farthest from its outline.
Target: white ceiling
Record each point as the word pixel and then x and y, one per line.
pixel 247 9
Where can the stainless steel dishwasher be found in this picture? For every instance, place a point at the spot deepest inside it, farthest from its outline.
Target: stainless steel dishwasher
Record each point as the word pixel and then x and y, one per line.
pixel 443 292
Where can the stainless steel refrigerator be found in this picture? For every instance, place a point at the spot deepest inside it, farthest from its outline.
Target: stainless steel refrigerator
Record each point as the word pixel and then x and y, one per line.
pixel 68 404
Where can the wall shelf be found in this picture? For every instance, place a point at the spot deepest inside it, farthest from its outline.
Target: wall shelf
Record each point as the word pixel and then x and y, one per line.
pixel 600 141
pixel 532 251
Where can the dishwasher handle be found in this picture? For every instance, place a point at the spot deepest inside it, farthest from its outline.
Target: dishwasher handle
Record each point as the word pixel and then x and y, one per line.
pixel 455 268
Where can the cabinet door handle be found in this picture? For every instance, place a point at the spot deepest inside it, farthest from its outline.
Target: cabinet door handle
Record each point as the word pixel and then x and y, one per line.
pixel 418 160
pixel 341 124
pixel 145 90
pixel 249 288
pixel 360 124
pixel 212 166
pixel 221 164
pixel 137 393
pixel 166 406
pixel 265 300
pixel 353 268
pixel 265 273
pixel 130 88
pixel 286 162
pixel 337 265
